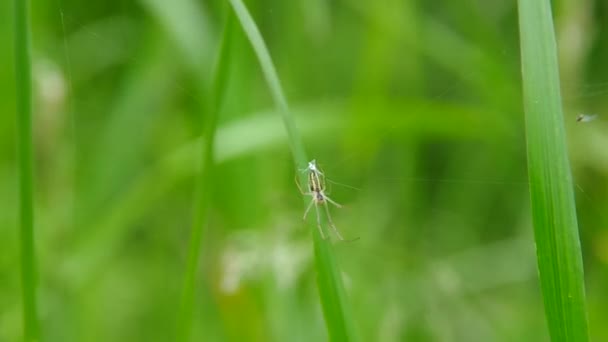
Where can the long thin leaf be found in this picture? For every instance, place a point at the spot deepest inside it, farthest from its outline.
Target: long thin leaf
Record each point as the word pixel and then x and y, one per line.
pixel 331 289
pixel 26 174
pixel 555 224
pixel 205 180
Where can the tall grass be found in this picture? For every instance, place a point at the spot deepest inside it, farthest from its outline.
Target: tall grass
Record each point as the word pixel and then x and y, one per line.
pixel 23 88
pixel 419 108
pixel 553 209
pixel 331 289
pixel 205 180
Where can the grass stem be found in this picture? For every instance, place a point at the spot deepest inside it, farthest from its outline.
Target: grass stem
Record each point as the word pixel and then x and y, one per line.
pixel 331 288
pixel 23 87
pixel 204 183
pixel 553 209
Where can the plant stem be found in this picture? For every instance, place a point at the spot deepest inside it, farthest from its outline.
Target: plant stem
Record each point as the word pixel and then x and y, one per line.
pixel 553 209
pixel 204 182
pixel 331 289
pixel 23 89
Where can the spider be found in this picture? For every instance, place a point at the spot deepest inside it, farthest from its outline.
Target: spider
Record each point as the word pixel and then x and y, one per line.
pixel 316 189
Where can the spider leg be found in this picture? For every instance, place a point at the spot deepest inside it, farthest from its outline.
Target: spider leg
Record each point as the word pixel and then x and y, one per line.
pixel 299 186
pixel 326 189
pixel 319 222
pixel 308 208
pixel 331 222
pixel 333 226
pixel 333 202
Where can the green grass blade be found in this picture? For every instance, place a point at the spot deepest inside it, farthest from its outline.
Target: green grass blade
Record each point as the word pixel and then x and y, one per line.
pixel 26 173
pixel 205 180
pixel 553 209
pixel 331 289
pixel 270 74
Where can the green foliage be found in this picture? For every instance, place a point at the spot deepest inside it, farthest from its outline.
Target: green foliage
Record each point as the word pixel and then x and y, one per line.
pixel 331 289
pixel 205 179
pixel 558 247
pixel 23 90
pixel 415 107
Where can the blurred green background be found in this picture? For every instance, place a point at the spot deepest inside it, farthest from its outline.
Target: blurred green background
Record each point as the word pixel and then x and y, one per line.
pixel 415 105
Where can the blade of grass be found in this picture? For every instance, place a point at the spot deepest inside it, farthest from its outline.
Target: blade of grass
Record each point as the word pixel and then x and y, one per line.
pixel 23 88
pixel 555 224
pixel 331 289
pixel 270 75
pixel 204 182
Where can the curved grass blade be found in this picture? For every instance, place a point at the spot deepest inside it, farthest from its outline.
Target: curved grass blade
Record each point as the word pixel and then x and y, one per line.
pixel 23 89
pixel 555 224
pixel 204 182
pixel 331 288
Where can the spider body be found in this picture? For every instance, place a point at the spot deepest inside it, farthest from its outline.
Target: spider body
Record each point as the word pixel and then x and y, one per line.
pixel 316 189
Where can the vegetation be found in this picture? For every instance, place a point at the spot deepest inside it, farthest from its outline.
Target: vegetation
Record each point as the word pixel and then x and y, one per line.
pixel 558 247
pixel 23 104
pixel 166 137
